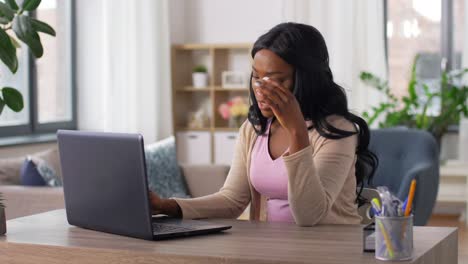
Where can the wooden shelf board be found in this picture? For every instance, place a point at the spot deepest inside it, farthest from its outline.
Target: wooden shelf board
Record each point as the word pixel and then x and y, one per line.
pixel 193 89
pixel 240 89
pixel 226 129
pixel 192 46
pixel 201 46
pixel 193 129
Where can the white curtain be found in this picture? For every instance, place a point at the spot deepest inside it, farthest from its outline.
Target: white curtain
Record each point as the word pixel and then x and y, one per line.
pixel 465 41
pixel 123 67
pixel 463 132
pixel 354 33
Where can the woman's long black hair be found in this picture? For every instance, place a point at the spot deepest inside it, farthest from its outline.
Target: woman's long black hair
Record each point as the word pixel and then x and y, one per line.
pixel 303 47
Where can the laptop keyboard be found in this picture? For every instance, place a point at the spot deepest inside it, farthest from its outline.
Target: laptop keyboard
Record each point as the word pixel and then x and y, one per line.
pixel 165 228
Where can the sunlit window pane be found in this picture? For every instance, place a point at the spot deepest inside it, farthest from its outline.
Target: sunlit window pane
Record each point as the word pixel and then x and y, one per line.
pixel 414 28
pixel 53 69
pixel 18 81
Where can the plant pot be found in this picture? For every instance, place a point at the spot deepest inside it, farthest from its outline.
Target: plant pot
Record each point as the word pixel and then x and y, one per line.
pixel 2 221
pixel 200 79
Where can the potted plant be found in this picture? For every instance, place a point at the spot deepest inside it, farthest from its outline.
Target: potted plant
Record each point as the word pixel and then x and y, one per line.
pixel 26 29
pixel 200 77
pixel 412 110
pixel 235 111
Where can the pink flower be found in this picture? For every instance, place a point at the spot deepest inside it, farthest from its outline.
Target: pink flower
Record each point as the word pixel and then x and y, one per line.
pixel 224 111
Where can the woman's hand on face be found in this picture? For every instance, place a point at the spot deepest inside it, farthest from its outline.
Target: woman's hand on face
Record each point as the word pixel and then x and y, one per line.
pixel 283 103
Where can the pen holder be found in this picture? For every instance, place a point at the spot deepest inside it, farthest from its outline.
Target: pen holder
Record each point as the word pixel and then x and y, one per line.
pixel 394 238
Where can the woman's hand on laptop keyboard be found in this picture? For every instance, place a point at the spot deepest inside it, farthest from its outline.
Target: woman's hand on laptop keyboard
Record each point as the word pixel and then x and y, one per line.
pixel 164 206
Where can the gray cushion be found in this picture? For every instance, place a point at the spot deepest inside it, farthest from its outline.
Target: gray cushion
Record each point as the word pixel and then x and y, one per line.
pixel 47 172
pixel 164 175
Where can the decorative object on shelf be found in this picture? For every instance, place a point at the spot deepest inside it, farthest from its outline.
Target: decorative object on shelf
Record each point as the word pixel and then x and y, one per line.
pixel 235 110
pixel 412 110
pixel 200 77
pixel 198 119
pixel 234 79
pixel 2 217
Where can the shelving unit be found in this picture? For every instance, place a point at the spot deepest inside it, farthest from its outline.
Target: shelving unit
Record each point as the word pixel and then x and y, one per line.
pixel 214 141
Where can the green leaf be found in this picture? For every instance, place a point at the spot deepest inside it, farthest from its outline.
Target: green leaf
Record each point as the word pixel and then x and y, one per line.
pixel 8 52
pixel 6 11
pixel 30 5
pixel 4 20
pixel 2 105
pixel 12 4
pixel 42 27
pixel 25 32
pixel 14 42
pixel 13 99
pixel 413 82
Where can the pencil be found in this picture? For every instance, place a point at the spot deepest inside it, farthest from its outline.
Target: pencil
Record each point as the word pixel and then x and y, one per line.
pixel 410 197
pixel 386 237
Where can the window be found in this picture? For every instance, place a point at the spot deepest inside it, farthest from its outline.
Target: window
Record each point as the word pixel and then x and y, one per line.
pixel 46 83
pixel 431 29
pixel 458 34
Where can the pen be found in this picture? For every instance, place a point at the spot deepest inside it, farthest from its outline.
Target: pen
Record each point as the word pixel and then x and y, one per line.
pixel 376 206
pixel 404 204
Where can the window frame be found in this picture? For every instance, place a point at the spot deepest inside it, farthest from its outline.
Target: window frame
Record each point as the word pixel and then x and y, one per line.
pixel 33 127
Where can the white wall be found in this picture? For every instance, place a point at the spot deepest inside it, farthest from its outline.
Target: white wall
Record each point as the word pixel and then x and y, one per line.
pixel 222 21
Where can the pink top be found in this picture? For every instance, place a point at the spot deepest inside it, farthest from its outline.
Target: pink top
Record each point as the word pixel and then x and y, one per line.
pixel 270 178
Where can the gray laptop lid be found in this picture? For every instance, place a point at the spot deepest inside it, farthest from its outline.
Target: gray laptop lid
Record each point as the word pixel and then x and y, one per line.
pixel 104 181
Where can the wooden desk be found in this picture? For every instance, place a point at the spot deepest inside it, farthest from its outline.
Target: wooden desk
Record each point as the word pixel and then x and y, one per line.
pixel 47 238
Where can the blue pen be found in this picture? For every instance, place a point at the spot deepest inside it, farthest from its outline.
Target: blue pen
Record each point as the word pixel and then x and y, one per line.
pixel 405 203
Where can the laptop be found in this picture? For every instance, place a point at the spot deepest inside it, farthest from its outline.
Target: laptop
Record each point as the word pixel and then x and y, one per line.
pixel 105 188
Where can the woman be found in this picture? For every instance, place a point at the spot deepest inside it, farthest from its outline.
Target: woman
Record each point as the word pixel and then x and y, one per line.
pixel 301 154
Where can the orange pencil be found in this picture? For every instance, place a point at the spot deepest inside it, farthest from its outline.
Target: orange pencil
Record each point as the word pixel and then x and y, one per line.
pixel 410 197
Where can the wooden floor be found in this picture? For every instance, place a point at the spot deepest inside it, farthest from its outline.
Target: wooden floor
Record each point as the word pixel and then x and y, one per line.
pixel 452 220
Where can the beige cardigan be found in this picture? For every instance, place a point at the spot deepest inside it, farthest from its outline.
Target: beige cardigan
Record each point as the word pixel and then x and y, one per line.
pixel 321 186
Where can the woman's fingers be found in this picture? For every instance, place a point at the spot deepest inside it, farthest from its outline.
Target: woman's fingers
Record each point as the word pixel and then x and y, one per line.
pixel 284 92
pixel 264 93
pixel 155 202
pixel 277 91
pixel 273 105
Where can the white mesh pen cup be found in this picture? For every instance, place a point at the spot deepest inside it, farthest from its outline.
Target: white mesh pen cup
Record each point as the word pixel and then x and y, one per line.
pixel 394 238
